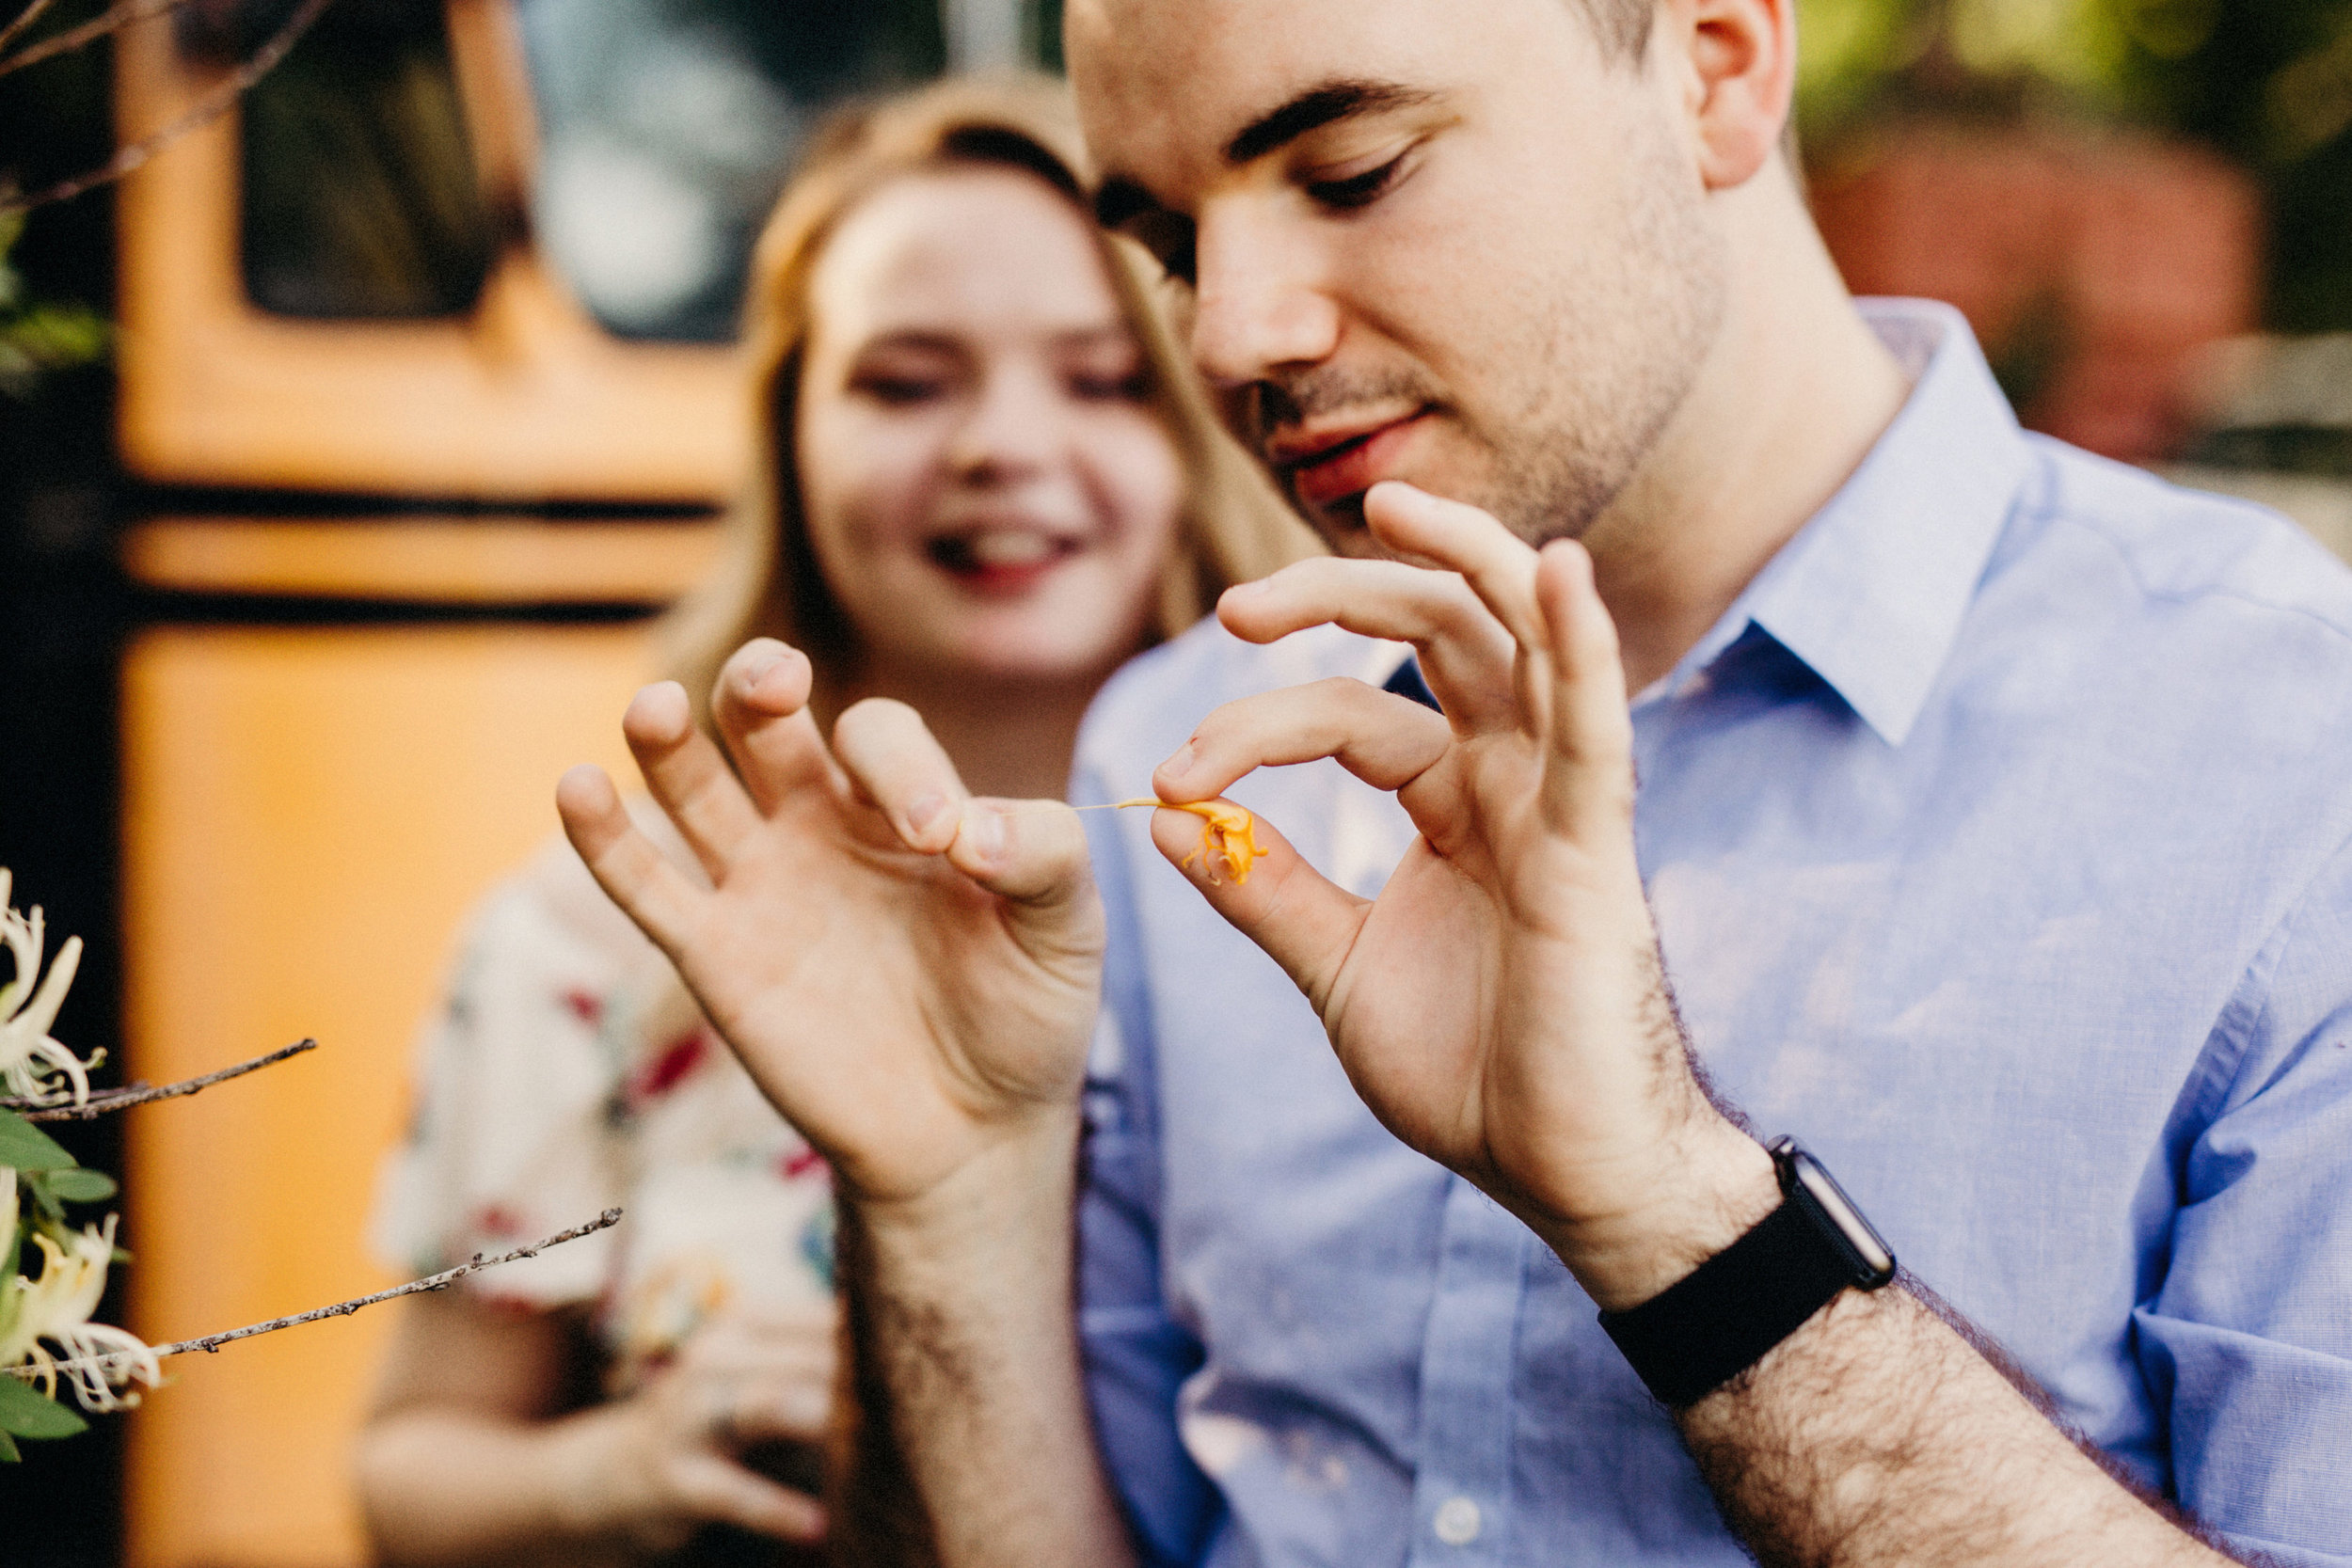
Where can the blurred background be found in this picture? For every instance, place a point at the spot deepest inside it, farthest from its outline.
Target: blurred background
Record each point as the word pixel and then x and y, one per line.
pixel 347 447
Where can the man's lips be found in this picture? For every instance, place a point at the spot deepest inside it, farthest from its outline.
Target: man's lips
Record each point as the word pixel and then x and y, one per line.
pixel 1345 463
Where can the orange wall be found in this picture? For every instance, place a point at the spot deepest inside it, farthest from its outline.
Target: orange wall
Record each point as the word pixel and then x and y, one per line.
pixel 307 813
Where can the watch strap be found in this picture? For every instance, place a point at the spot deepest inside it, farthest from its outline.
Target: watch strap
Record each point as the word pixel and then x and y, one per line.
pixel 1719 1319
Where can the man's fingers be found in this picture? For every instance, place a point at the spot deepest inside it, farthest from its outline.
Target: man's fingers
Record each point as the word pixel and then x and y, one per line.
pixel 1303 920
pixel 894 763
pixel 688 775
pixel 1465 652
pixel 1497 563
pixel 761 707
pixel 1384 739
pixel 1588 779
pixel 635 874
pixel 718 1489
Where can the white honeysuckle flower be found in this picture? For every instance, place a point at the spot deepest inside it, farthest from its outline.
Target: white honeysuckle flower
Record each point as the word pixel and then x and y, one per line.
pixel 11 1299
pixel 30 1060
pixel 94 1359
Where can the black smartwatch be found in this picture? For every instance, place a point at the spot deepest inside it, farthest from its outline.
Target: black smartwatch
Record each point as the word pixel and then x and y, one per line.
pixel 1719 1320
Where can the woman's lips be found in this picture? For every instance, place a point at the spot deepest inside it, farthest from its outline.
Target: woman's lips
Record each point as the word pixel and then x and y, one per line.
pixel 999 562
pixel 1354 466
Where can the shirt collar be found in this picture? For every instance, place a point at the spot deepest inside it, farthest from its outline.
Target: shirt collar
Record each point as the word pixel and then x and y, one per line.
pixel 1870 593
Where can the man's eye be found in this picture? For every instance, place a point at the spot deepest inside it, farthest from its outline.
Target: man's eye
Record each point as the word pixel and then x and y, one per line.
pixel 1357 190
pixel 1169 238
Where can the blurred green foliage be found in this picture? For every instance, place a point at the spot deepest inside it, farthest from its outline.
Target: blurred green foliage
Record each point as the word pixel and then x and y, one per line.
pixel 2267 83
pixel 37 338
pixel 57 263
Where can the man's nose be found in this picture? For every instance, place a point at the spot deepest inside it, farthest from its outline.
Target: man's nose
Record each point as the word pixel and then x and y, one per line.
pixel 1260 302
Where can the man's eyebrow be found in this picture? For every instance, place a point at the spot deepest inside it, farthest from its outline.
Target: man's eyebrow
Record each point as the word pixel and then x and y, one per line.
pixel 1316 107
pixel 1120 200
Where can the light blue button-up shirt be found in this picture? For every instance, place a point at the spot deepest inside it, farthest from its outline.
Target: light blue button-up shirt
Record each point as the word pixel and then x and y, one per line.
pixel 1998 838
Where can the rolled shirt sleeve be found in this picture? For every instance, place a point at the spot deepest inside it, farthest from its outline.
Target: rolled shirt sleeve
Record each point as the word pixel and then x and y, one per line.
pixel 2246 1339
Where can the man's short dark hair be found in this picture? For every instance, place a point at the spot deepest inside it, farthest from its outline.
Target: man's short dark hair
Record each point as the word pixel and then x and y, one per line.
pixel 1622 25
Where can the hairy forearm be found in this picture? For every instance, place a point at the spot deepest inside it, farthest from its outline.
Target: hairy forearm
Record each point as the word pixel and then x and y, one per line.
pixel 972 1444
pixel 1878 1434
pixel 451 1488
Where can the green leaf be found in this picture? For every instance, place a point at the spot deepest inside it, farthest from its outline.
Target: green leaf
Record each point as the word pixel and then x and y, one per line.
pixel 78 1185
pixel 28 1414
pixel 8 1449
pixel 27 1147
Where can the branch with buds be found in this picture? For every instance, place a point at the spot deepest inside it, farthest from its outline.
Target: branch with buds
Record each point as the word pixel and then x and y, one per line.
pixel 210 1343
pixel 215 102
pixel 100 1101
pixel 46 1337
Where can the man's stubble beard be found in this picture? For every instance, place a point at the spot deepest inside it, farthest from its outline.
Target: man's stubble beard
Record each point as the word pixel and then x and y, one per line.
pixel 1620 354
pixel 1621 359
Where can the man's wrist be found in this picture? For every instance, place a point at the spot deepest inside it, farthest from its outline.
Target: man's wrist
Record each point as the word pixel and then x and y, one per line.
pixel 1015 1194
pixel 1712 1193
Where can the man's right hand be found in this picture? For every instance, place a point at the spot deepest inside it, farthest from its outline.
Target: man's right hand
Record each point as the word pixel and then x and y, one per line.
pixel 910 973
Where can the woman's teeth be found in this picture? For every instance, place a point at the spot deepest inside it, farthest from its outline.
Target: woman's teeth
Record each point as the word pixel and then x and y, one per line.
pixel 1008 548
pixel 997 549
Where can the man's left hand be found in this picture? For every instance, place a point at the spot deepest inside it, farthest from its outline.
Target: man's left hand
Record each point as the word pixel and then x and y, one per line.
pixel 1501 1006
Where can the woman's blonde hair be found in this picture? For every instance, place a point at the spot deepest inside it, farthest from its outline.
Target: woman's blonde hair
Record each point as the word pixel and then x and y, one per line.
pixel 1233 527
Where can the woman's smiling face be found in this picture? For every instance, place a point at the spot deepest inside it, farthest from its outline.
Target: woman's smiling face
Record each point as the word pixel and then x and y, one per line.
pixel 987 485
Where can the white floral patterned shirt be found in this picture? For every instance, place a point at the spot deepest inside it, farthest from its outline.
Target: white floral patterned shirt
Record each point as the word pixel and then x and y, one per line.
pixel 567 1071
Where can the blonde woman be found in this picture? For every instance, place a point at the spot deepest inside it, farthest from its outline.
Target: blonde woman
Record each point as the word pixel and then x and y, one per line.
pixel 986 479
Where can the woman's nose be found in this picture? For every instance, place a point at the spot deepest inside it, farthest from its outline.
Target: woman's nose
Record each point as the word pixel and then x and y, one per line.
pixel 1014 426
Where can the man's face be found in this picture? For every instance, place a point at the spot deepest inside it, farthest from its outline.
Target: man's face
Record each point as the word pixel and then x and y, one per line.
pixel 1426 240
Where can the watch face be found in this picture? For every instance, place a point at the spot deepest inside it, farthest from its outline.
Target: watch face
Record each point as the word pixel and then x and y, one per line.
pixel 1874 1260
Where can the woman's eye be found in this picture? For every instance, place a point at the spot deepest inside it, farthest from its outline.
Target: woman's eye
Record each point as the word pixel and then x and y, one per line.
pixel 899 389
pixel 1357 190
pixel 1108 387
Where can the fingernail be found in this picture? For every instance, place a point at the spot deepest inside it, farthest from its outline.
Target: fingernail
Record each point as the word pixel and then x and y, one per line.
pixel 1248 590
pixel 988 832
pixel 924 809
pixel 760 668
pixel 1181 764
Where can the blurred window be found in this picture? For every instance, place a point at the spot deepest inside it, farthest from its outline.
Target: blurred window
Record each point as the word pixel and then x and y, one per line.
pixel 359 193
pixel 665 129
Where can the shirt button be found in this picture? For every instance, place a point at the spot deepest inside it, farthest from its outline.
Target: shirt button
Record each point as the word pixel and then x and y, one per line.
pixel 1457 1521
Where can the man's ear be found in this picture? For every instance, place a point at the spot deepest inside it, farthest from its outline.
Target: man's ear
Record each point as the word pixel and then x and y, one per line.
pixel 1737 60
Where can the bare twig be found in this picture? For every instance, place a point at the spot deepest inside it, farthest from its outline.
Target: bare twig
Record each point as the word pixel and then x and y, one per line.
pixel 108 1101
pixel 112 19
pixel 207 108
pixel 210 1343
pixel 25 19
